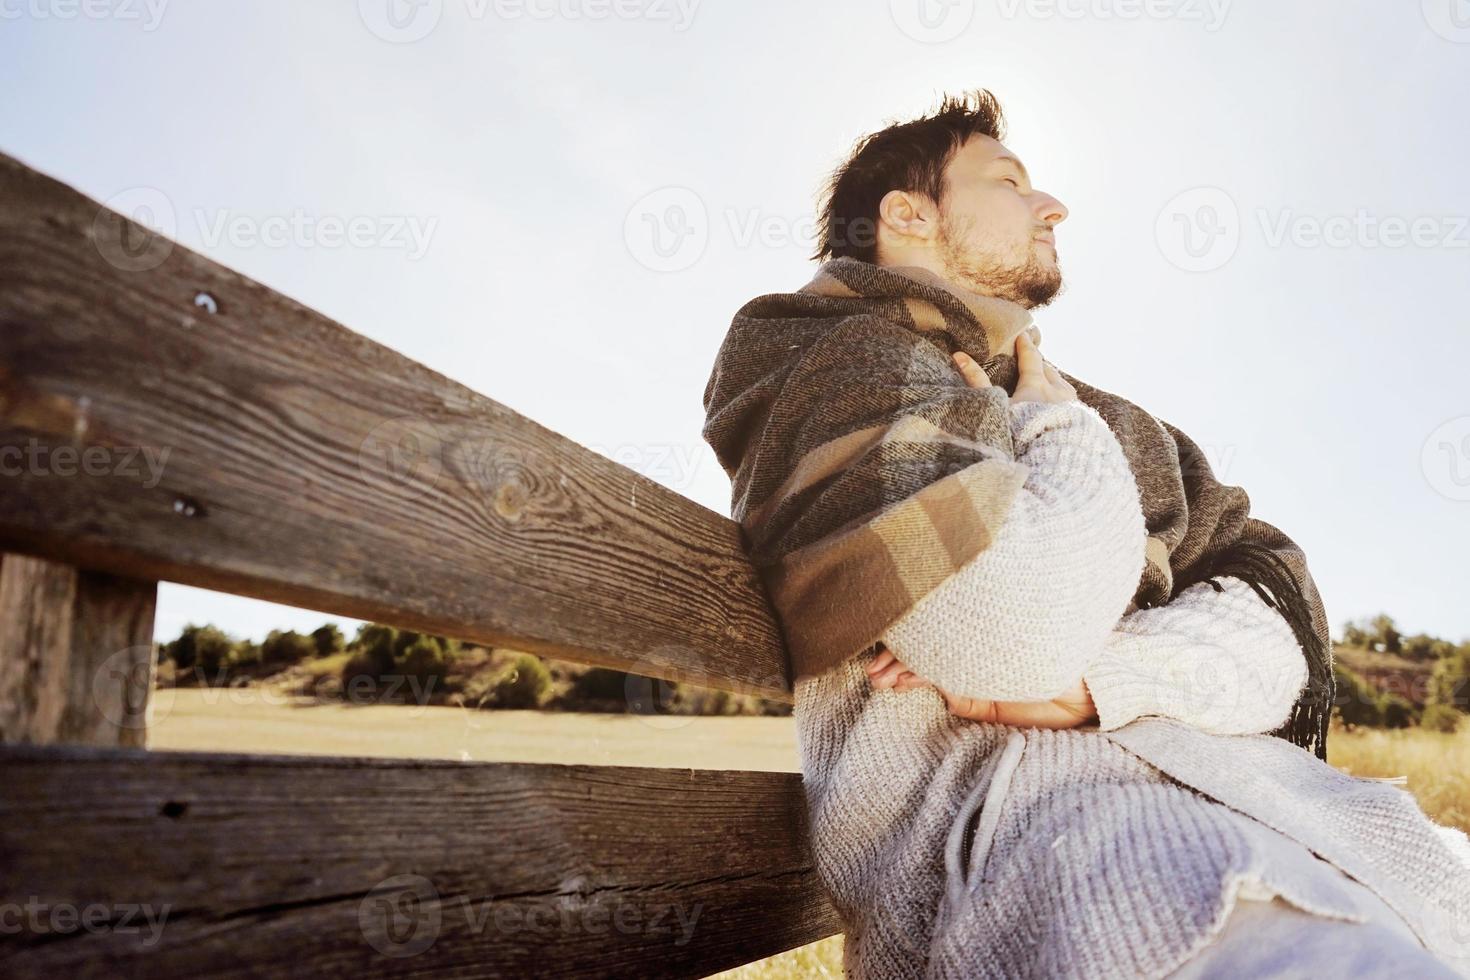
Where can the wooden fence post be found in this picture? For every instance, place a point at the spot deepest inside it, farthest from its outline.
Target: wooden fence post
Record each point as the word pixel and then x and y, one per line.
pixel 76 654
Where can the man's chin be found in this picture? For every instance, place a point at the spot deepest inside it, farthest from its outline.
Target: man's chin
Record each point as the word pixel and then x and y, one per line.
pixel 1032 285
pixel 1037 291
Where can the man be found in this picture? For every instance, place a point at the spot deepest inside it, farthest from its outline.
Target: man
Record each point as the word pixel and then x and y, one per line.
pixel 1038 648
pixel 995 234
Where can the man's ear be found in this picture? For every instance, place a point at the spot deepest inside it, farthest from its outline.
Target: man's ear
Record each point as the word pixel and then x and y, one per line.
pixel 909 215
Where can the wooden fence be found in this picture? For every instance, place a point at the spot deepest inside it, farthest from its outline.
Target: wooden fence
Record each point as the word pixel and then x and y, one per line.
pixel 309 465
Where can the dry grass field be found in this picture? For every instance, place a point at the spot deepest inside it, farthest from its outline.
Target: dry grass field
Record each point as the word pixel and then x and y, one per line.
pixel 255 720
pixel 1437 766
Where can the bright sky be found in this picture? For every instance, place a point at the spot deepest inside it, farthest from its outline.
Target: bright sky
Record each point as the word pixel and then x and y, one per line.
pixel 1268 241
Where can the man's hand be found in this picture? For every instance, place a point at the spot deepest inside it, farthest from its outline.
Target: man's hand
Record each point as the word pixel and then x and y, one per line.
pixel 1037 381
pixel 1072 708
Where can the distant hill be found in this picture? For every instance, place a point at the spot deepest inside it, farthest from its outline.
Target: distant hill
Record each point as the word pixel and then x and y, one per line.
pixel 1389 673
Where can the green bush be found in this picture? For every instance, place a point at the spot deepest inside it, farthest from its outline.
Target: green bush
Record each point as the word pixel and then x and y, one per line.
pixel 1398 712
pixel 1450 682
pixel 244 658
pixel 599 684
pixel 426 659
pixel 384 658
pixel 282 649
pixel 1356 701
pixel 1441 718
pixel 525 683
pixel 717 702
pixel 203 650
pixel 328 640
pixel 374 646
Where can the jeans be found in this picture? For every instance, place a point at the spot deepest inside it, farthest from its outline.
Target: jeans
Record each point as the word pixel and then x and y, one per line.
pixel 1268 937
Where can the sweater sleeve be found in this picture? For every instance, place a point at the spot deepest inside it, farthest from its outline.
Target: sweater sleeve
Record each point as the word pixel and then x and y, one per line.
pixel 1224 662
pixel 1022 620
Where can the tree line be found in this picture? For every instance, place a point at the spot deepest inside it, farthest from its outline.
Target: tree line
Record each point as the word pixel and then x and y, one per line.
pixel 1384 677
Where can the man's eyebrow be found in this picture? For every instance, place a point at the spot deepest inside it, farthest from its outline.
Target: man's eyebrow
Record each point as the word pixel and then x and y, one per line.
pixel 1007 158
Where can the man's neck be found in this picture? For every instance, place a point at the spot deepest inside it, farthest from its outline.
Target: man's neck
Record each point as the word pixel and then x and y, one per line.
pixel 1003 319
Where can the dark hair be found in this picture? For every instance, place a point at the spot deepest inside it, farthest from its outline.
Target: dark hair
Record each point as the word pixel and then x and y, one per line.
pixel 907 156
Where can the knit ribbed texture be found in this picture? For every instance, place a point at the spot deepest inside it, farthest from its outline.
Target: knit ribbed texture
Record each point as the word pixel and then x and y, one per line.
pixel 1024 618
pixel 1095 853
pixel 1216 656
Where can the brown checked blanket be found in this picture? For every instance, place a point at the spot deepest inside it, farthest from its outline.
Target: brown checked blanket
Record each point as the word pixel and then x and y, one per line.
pixel 865 471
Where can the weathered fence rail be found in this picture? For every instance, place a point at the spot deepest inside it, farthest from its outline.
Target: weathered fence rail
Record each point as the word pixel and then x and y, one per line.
pixel 308 465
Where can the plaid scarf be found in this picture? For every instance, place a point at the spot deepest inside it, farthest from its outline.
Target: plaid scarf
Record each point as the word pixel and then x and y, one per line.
pixel 865 471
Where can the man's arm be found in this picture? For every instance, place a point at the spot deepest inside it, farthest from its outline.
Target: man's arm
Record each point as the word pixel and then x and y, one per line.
pixel 1024 619
pixel 1222 661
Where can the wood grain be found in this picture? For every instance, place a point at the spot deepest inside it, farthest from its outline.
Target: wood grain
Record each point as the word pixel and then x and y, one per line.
pixel 242 442
pixel 76 655
pixel 272 866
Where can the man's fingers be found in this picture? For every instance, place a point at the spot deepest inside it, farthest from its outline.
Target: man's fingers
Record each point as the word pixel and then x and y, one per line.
pixel 879 662
pixel 885 677
pixel 974 709
pixel 908 680
pixel 1020 714
pixel 972 372
pixel 1029 361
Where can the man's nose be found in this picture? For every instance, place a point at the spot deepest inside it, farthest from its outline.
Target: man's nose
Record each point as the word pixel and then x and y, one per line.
pixel 1049 209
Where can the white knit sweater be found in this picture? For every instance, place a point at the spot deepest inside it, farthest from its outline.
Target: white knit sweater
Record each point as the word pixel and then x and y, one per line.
pixel 957 848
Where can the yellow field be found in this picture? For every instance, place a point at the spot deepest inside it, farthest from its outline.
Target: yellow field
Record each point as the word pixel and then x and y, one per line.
pixel 253 720
pixel 1437 766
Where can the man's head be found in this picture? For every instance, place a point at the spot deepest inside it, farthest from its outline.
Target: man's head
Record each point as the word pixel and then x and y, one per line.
pixel 943 193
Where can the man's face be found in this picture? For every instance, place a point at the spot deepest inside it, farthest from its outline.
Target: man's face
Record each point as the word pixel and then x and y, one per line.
pixel 995 231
